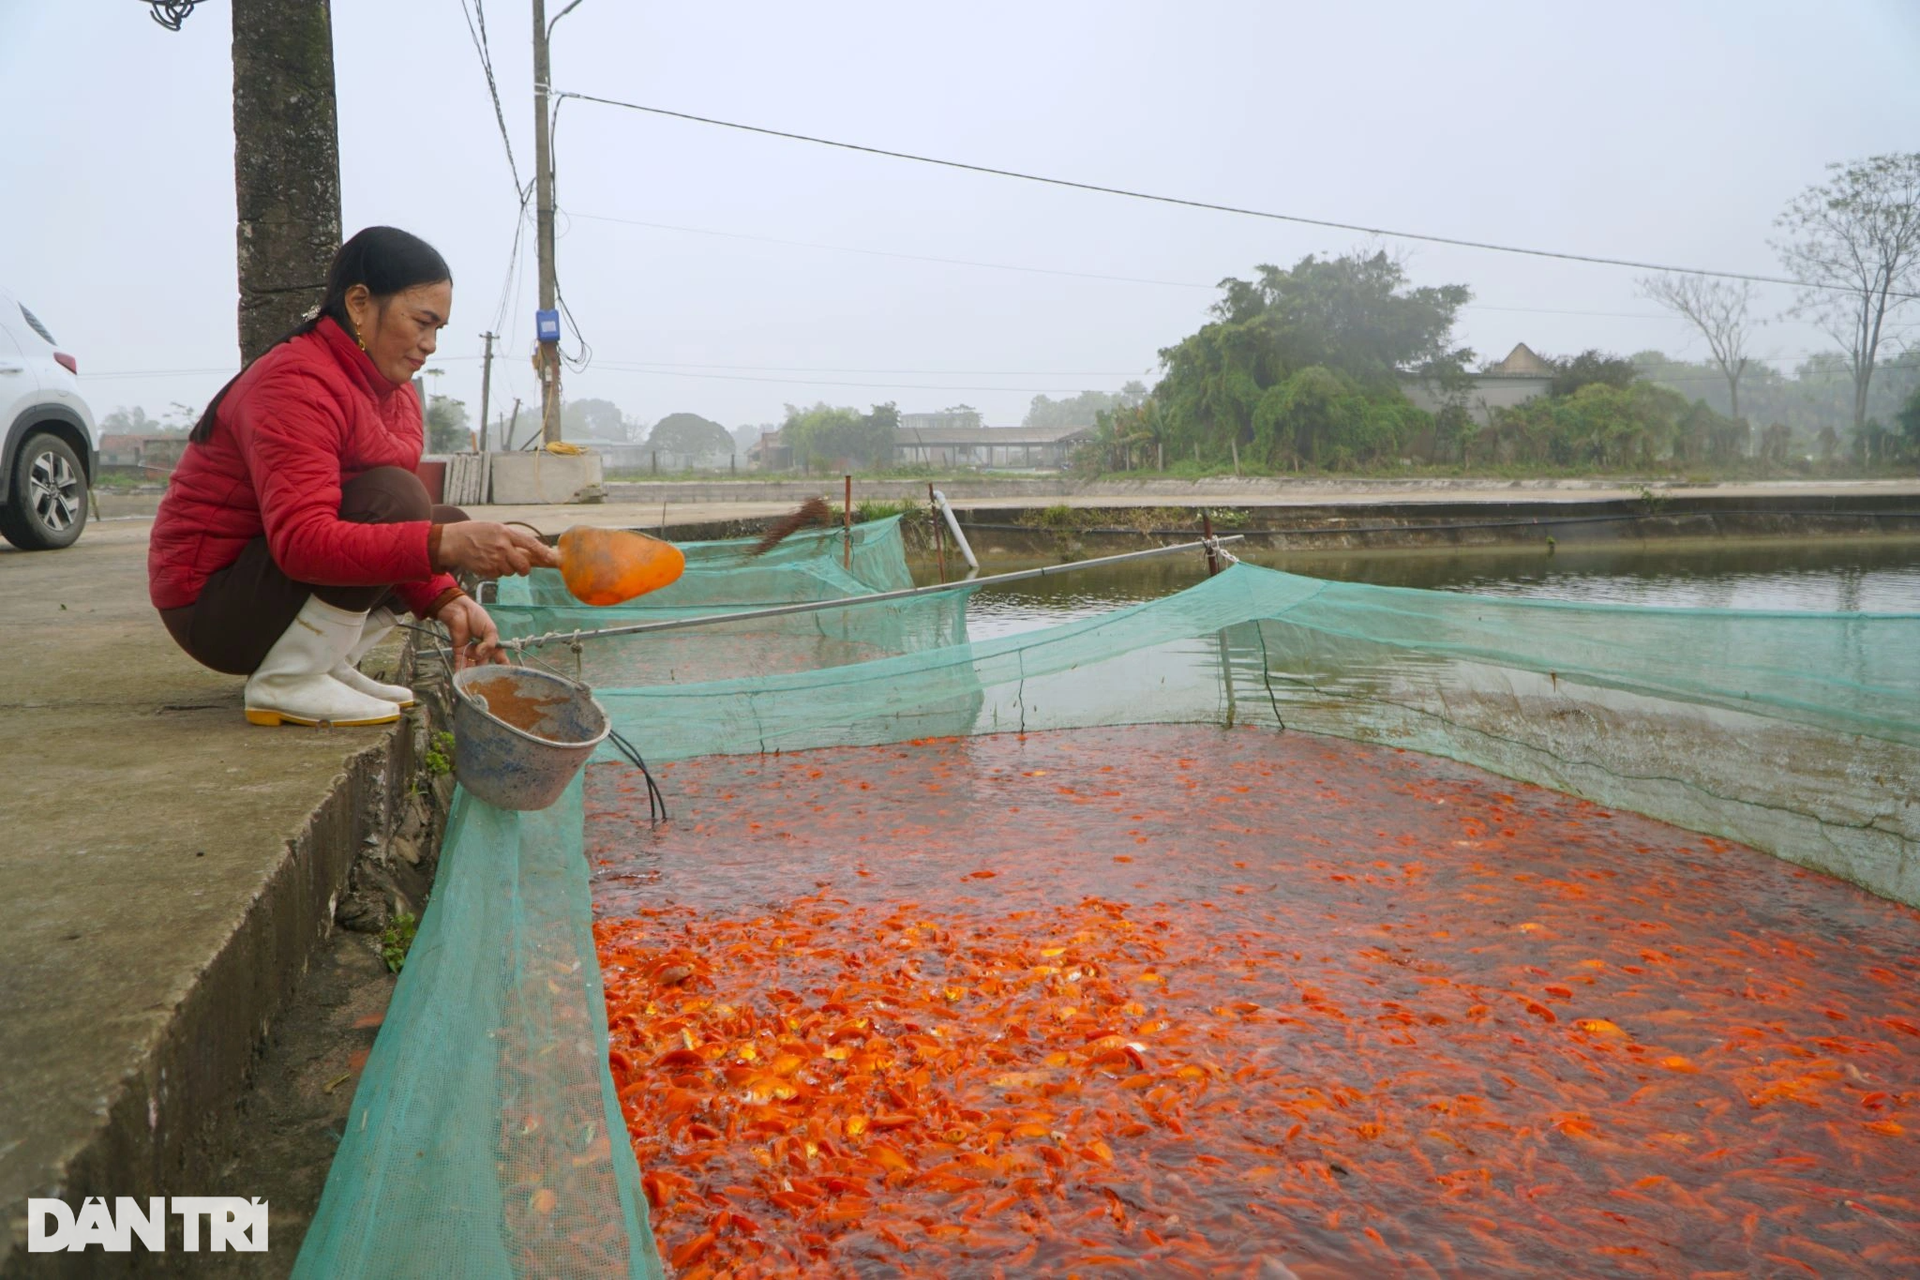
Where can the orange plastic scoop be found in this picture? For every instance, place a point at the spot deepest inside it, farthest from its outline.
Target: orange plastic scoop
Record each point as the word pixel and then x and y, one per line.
pixel 607 566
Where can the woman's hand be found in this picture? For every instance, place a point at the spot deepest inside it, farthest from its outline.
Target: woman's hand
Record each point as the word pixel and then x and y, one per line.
pixel 475 638
pixel 490 550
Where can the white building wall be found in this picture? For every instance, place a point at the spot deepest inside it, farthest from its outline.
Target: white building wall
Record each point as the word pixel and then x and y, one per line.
pixel 1487 393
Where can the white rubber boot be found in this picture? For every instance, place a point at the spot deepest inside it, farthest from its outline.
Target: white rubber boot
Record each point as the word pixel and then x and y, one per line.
pixel 292 686
pixel 379 624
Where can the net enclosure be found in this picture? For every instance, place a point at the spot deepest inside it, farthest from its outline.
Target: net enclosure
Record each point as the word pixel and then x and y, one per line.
pixel 487 1135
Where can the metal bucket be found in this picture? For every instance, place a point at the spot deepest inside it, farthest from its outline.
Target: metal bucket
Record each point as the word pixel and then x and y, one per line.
pixel 520 735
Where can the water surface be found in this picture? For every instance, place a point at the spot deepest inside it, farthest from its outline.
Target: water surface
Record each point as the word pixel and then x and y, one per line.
pixel 1845 576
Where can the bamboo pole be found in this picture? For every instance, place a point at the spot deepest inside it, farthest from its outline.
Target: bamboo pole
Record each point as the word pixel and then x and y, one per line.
pixel 818 606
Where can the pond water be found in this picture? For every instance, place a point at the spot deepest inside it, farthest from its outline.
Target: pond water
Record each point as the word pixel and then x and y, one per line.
pixel 1846 575
pixel 1204 1002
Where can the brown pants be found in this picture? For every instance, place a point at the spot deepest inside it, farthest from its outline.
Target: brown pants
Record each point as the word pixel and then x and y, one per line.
pixel 244 608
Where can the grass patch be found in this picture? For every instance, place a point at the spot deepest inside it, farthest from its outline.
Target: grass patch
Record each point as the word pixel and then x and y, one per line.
pixel 397 939
pixel 438 760
pixel 884 508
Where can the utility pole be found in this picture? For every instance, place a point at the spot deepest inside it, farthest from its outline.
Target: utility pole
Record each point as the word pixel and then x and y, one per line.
pixel 543 225
pixel 513 423
pixel 486 385
pixel 286 164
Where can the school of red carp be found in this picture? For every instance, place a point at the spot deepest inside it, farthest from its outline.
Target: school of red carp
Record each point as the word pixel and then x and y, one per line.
pixel 1193 1002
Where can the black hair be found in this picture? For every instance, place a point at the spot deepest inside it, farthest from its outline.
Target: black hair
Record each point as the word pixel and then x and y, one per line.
pixel 385 259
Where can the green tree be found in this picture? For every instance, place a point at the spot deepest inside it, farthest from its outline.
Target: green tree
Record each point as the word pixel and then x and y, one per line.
pixel 1453 428
pixel 1570 373
pixel 1301 365
pixel 1829 442
pixel 1774 442
pixel 594 420
pixel 826 436
pixel 447 430
pixel 131 422
pixel 1909 420
pixel 1082 410
pixel 690 433
pixel 1607 426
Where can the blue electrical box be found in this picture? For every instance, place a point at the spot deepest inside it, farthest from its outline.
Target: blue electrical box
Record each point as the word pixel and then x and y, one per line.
pixel 546 325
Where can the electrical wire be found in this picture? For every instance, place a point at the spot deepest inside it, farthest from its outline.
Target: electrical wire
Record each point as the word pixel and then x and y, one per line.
pixel 480 47
pixel 637 366
pixel 876 386
pixel 1184 202
pixel 907 257
pixel 577 363
pixel 477 32
pixel 1047 271
pixel 694 367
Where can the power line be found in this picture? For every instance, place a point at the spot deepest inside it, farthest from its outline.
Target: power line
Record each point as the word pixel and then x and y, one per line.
pixel 580 362
pixel 1204 204
pixel 479 38
pixel 1058 271
pixel 696 368
pixel 971 373
pixel 806 382
pixel 908 257
pixel 1045 271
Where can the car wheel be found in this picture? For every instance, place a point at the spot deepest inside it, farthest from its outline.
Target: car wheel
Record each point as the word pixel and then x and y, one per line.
pixel 47 504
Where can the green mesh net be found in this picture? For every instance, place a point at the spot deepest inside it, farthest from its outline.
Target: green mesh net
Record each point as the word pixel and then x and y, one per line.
pixel 814 564
pixel 726 577
pixel 477 1144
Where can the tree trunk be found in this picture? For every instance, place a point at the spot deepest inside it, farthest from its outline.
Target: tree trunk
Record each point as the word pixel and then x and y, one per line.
pixel 1733 392
pixel 286 163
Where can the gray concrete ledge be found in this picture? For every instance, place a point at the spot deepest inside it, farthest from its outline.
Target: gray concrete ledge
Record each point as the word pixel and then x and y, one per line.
pixel 166 873
pixel 1233 491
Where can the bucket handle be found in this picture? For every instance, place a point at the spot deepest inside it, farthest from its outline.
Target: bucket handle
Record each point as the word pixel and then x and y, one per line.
pixel 656 799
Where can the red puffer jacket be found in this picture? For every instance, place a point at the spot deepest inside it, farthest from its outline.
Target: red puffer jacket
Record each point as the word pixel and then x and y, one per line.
pixel 305 417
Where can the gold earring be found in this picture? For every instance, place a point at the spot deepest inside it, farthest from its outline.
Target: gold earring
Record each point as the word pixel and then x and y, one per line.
pixel 359 338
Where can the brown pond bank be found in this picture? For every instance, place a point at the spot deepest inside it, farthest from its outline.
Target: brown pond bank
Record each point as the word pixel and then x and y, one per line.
pixel 1388 525
pixel 1316 514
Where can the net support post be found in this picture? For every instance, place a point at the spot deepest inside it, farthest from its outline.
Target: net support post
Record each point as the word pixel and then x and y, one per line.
pixel 939 534
pixel 953 523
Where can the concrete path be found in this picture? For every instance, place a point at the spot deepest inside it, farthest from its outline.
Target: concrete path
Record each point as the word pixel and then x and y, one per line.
pixel 165 872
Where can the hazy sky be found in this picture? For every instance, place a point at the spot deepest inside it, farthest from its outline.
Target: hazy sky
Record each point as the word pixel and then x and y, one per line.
pixel 1666 132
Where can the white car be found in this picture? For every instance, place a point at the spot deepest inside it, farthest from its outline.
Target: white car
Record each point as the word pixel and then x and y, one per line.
pixel 51 448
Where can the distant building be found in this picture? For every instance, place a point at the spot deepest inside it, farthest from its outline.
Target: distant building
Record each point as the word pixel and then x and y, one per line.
pixel 769 453
pixel 119 451
pixel 641 457
pixel 1513 381
pixel 156 456
pixel 945 420
pixel 1013 448
pixel 159 455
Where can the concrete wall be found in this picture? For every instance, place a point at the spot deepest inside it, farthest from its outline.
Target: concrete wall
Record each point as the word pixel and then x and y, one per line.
pixel 1489 392
pixel 539 477
pixel 1028 456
